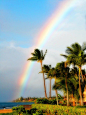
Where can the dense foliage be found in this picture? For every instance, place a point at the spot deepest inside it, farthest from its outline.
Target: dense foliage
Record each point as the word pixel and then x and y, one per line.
pixel 59 110
pixel 47 109
pixel 19 109
pixel 46 101
pixel 7 114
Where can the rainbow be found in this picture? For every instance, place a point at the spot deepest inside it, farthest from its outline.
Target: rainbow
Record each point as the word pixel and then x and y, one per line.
pixel 65 6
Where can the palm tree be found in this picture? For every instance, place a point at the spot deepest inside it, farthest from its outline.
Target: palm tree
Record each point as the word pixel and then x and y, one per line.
pixel 64 73
pixel 83 82
pixel 74 84
pixel 71 84
pixel 83 72
pixel 53 73
pixel 60 85
pixel 38 56
pixel 77 56
pixel 46 69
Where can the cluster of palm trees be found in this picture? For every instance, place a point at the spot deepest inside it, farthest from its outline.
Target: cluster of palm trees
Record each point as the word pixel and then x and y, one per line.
pixel 70 80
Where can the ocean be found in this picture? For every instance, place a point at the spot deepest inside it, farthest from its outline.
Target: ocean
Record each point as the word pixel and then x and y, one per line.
pixel 8 105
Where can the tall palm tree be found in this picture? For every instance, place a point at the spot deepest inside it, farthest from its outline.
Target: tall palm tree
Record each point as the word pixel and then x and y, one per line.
pixel 71 84
pixel 38 56
pixel 83 72
pixel 46 69
pixel 83 82
pixel 59 85
pixel 64 72
pixel 76 55
pixel 53 73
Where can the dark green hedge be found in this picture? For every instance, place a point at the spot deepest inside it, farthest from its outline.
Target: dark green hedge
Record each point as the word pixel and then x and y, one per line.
pixel 46 101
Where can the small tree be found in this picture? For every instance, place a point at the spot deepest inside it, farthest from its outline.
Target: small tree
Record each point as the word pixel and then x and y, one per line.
pixel 21 98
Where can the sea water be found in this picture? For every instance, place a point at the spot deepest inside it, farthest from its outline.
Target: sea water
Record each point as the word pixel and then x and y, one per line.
pixel 8 105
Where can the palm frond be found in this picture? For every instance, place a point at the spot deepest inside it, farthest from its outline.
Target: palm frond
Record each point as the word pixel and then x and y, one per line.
pixel 45 53
pixel 41 72
pixel 69 50
pixel 84 46
pixel 32 58
pixel 42 53
pixel 33 54
pixel 84 55
pixel 65 56
pixel 37 53
pixel 76 46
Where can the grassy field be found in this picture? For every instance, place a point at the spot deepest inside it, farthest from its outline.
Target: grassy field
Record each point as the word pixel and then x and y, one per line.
pixel 47 109
pixel 59 110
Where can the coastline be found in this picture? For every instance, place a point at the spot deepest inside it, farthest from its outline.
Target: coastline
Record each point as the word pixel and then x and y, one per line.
pixel 27 107
pixel 7 107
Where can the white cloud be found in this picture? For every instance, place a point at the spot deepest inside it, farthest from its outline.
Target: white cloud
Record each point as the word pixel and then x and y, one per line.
pixel 12 62
pixel 80 3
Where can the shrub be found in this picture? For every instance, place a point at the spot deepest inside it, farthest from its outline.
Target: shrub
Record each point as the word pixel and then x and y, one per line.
pixel 6 114
pixel 46 101
pixel 42 101
pixel 33 110
pixel 19 109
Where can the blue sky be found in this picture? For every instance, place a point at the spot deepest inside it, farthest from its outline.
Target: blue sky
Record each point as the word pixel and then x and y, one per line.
pixel 20 23
pixel 20 17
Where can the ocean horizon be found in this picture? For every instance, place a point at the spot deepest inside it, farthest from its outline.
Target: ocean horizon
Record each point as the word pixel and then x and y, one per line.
pixel 9 105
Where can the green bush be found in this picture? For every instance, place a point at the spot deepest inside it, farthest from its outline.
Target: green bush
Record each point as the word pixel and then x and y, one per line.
pixel 30 112
pixel 9 113
pixel 46 101
pixel 33 110
pixel 42 101
pixel 53 101
pixel 19 110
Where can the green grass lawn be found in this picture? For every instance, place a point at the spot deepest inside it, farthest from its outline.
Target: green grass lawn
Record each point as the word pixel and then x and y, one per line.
pixel 47 109
pixel 60 110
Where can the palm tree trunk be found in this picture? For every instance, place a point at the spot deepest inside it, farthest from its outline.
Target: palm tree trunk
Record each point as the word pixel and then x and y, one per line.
pixel 56 96
pixel 67 92
pixel 80 92
pixel 66 87
pixel 67 98
pixel 76 102
pixel 50 89
pixel 73 100
pixel 44 81
pixel 56 93
pixel 82 76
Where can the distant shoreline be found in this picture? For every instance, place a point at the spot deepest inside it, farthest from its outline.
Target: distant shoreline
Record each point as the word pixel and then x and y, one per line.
pixel 6 107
